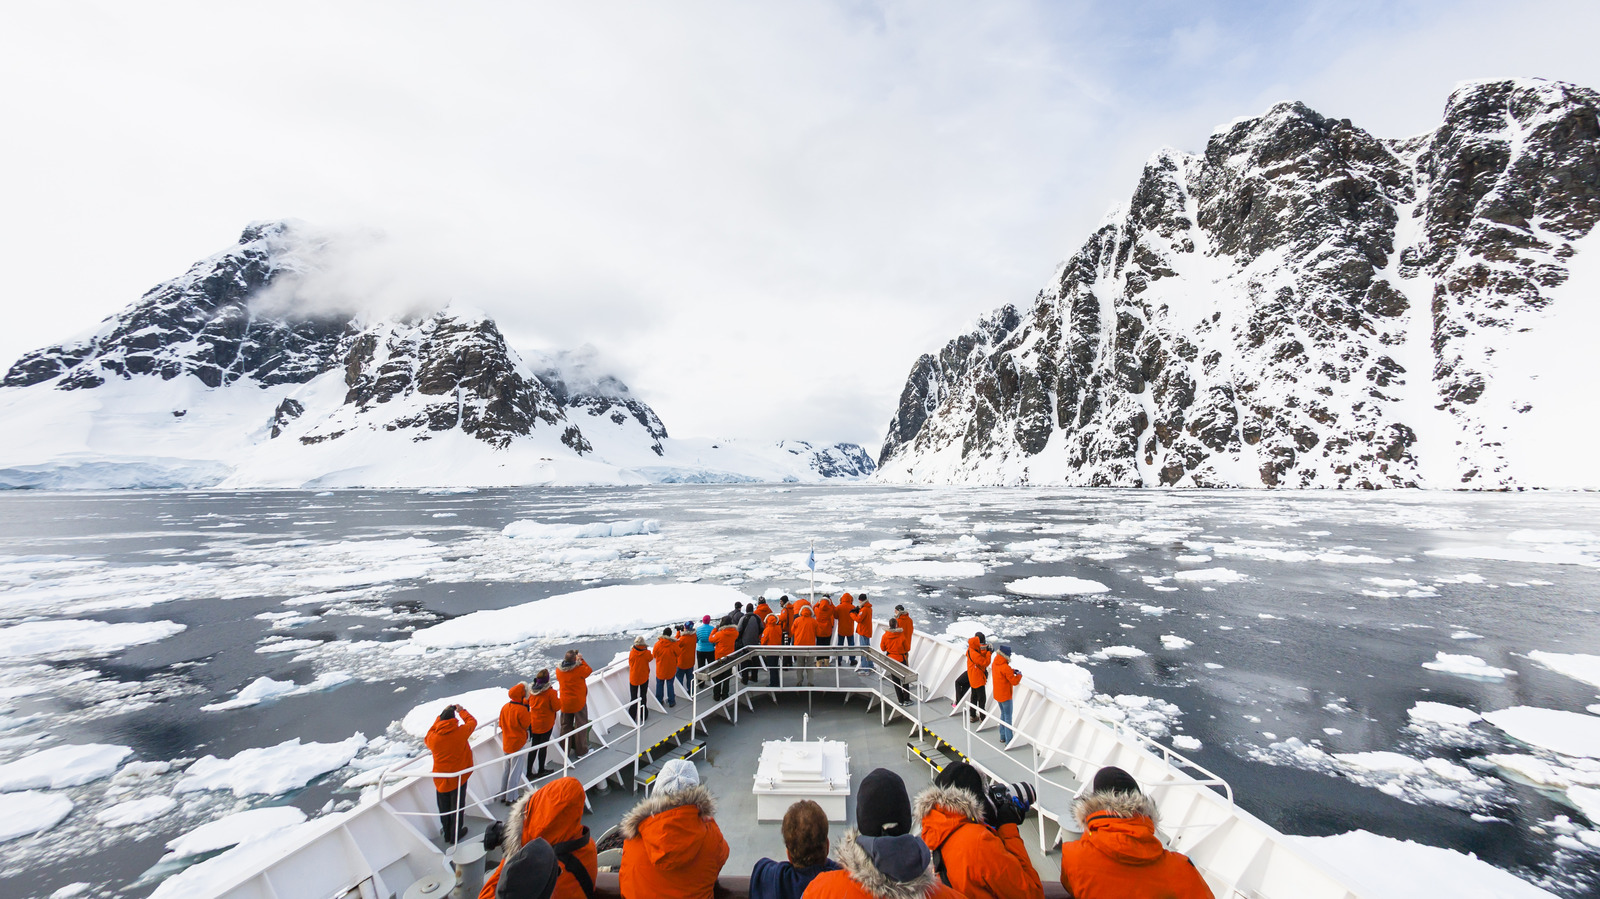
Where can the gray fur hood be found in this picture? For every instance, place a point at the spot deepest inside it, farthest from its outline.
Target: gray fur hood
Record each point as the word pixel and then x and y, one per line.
pixel 858 865
pixel 950 799
pixel 661 802
pixel 1120 803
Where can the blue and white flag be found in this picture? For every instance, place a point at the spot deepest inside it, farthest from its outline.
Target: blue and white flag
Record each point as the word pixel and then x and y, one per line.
pixel 811 561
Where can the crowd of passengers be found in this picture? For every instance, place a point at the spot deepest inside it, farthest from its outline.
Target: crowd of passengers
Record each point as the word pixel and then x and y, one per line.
pixel 958 839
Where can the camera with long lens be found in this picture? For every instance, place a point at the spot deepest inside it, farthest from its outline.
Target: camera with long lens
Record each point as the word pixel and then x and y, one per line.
pixel 1008 803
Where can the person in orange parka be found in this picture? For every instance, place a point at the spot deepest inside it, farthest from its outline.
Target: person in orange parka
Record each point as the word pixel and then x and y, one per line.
pixel 553 813
pixel 1119 854
pixel 896 644
pixel 844 616
pixel 880 858
pixel 639 659
pixel 804 633
pixel 772 635
pixel 686 643
pixel 726 639
pixel 977 860
pixel 672 847
pixel 450 742
pixel 513 736
pixel 763 610
pixel 665 653
pixel 1005 680
pixel 978 656
pixel 573 676
pixel 825 614
pixel 544 701
pixel 864 628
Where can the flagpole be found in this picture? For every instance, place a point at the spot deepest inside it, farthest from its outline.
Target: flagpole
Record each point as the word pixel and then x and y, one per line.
pixel 813 571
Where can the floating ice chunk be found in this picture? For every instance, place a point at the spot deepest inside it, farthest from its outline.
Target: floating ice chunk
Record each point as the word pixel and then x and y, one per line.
pixel 136 811
pixel 888 545
pixel 1465 635
pixel 930 570
pixel 1387 868
pixel 1186 743
pixel 533 530
pixel 1577 666
pixel 1384 762
pixel 1175 642
pixel 1440 713
pixel 1065 680
pixel 1212 575
pixel 1444 769
pixel 1055 586
pixel 1118 652
pixel 1550 555
pixel 601 610
pixel 288 646
pixel 1466 666
pixel 1587 799
pixel 1192 560
pixel 270 770
pixel 212 876
pixel 231 830
pixel 36 639
pixel 263 689
pixel 31 812
pixel 62 766
pixel 1032 546
pixel 1153 611
pixel 1568 733
pixel 483 704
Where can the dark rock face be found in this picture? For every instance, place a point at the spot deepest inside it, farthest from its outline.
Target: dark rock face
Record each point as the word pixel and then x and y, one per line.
pixel 605 398
pixel 1248 318
pixel 841 460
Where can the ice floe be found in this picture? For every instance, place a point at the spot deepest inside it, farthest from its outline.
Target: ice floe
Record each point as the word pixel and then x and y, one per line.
pixel 270 770
pixel 1051 587
pixel 930 570
pixel 1175 642
pixel 31 811
pixel 1577 666
pixel 231 830
pixel 533 530
pixel 1466 666
pixel 1545 772
pixel 600 610
pixel 1117 652
pixel 263 689
pixel 1386 868
pixel 62 766
pixel 50 639
pixel 136 811
pixel 1567 733
pixel 1186 743
pixel 213 875
pixel 1212 576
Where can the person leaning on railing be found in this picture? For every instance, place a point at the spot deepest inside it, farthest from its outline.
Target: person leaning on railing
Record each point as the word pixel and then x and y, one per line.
pixel 573 676
pixel 1005 680
pixel 1119 855
pixel 978 656
pixel 750 635
pixel 553 813
pixel 844 616
pixel 544 701
pixel 639 680
pixel 514 734
pixel 896 644
pixel 686 642
pixel 672 847
pixel 725 638
pixel 864 628
pixel 450 742
pixel 665 652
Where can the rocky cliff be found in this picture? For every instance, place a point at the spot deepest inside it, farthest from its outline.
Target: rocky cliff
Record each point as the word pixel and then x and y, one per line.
pixel 1301 305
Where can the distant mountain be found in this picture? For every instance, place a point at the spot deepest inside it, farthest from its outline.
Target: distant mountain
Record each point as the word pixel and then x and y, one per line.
pixel 1302 305
pixel 228 376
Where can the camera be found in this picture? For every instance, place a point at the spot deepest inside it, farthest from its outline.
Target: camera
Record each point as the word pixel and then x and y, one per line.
pixel 1008 803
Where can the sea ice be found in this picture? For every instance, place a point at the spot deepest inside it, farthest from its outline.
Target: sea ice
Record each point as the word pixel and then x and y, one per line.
pixel 600 610
pixel 31 812
pixel 1466 666
pixel 62 766
pixel 136 811
pixel 1567 733
pixel 1212 575
pixel 1382 762
pixel 1577 666
pixel 930 570
pixel 36 639
pixel 1546 773
pixel 1118 652
pixel 533 530
pixel 1440 713
pixel 288 646
pixel 270 770
pixel 263 689
pixel 1386 868
pixel 1049 587
pixel 1175 642
pixel 1186 743
pixel 231 830
pixel 1587 799
pixel 211 876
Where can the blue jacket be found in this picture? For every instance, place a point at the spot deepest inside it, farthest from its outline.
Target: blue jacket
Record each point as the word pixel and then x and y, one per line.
pixel 702 636
pixel 782 880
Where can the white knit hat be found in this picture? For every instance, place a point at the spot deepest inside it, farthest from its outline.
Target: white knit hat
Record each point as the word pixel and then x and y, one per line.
pixel 678 774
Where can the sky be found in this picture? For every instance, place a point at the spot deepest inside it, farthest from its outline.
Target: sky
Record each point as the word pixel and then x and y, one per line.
pixel 757 214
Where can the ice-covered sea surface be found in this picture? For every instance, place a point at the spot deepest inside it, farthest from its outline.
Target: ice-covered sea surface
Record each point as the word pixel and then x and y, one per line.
pixel 1338 657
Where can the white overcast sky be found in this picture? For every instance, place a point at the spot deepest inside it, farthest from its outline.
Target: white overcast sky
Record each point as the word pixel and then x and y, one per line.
pixel 759 214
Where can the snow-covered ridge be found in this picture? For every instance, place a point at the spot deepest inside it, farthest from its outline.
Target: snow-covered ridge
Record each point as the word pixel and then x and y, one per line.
pixel 1302 305
pixel 244 372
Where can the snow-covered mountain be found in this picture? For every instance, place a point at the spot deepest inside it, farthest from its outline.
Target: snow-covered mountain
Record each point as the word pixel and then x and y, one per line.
pixel 1303 305
pixel 229 376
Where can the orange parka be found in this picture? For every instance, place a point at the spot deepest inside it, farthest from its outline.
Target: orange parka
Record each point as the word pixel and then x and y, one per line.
pixel 804 631
pixel 772 634
pixel 672 847
pixel 858 869
pixel 666 655
pixel 864 619
pixel 1119 854
pixel 686 643
pixel 1005 678
pixel 907 626
pixel 763 610
pixel 450 742
pixel 553 813
pixel 982 863
pixel 727 639
pixel 638 666
pixel 543 703
pixel 896 644
pixel 786 617
pixel 977 662
pixel 574 683
pixel 514 720
pixel 824 613
pixel 844 616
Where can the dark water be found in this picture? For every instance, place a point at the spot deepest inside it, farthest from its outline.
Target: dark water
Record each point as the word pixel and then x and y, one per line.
pixel 1330 656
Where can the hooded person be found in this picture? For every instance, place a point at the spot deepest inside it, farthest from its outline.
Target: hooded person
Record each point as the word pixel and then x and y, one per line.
pixel 977 860
pixel 1119 854
pixel 639 660
pixel 825 620
pixel 532 873
pixel 544 703
pixel 514 734
pixel 686 643
pixel 705 652
pixel 750 635
pixel 804 633
pixel 726 640
pixel 665 652
pixel 864 628
pixel 880 858
pixel 844 615
pixel 772 635
pixel 805 840
pixel 573 676
pixel 978 656
pixel 672 847
pixel 552 814
pixel 1005 680
pixel 450 742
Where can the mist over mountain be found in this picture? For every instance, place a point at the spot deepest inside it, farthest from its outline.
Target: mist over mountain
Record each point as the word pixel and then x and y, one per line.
pixel 1303 304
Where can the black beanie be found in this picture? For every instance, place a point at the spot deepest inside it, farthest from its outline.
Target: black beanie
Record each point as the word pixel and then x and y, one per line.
pixel 1112 779
pixel 962 776
pixel 530 874
pixel 883 808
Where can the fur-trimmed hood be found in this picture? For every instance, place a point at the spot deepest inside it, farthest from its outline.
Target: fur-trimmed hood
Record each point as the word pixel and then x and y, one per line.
pixel 1121 803
pixel 535 688
pixel 858 865
pixel 951 799
pixel 697 796
pixel 554 812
